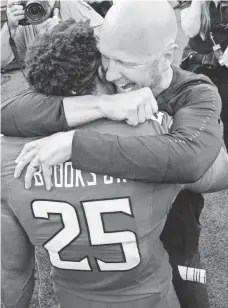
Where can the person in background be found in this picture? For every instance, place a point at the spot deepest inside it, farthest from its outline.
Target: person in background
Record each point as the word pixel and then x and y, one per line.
pixel 58 10
pixel 206 25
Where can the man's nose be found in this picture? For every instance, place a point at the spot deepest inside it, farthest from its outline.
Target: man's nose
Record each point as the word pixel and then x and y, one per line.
pixel 113 73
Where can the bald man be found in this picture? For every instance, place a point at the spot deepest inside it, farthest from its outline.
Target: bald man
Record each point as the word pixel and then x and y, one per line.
pixel 131 66
pixel 134 56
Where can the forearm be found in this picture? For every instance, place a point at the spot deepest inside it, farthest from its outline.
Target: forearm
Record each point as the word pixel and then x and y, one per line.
pixel 119 107
pixel 191 19
pixel 49 114
pixel 150 158
pixel 7 54
pixel 182 156
pixel 81 109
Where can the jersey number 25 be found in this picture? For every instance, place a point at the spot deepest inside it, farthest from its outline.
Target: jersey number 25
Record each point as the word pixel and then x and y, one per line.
pixel 71 231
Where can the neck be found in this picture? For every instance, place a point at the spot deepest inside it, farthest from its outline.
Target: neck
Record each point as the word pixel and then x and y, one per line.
pixel 165 82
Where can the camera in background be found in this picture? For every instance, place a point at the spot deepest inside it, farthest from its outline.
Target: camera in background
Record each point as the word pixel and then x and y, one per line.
pixel 36 12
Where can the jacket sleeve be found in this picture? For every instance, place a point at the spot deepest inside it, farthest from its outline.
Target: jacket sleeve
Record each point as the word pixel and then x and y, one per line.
pixel 182 156
pixel 30 114
pixel 216 178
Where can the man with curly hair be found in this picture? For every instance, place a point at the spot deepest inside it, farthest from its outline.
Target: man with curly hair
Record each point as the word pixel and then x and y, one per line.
pixel 101 233
pixel 60 61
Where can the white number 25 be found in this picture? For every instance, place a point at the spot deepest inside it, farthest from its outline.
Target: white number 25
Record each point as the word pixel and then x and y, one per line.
pixel 71 230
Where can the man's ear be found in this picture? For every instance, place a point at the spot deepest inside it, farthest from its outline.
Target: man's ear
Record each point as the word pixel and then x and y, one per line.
pixel 168 55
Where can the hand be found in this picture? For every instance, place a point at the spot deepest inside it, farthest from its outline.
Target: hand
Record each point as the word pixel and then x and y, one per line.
pixel 134 107
pixel 49 24
pixel 45 152
pixel 210 61
pixel 225 57
pixel 15 12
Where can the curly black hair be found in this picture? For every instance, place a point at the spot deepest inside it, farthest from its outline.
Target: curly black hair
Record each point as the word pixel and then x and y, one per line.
pixel 61 61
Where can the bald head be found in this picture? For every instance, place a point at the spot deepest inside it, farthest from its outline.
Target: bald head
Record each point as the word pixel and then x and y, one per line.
pixel 145 28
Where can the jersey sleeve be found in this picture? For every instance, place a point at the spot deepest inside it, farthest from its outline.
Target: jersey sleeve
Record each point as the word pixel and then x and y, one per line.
pixel 30 114
pixel 182 156
pixel 17 255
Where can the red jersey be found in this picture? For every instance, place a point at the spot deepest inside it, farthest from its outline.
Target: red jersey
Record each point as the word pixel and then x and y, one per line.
pixel 102 233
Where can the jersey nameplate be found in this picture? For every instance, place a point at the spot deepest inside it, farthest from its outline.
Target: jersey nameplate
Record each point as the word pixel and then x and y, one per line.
pixel 66 176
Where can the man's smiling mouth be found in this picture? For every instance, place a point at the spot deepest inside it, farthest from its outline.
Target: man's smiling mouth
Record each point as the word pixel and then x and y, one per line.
pixel 126 87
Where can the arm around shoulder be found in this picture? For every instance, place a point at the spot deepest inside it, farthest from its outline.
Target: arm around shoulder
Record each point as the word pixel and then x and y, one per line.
pixel 46 115
pixel 182 156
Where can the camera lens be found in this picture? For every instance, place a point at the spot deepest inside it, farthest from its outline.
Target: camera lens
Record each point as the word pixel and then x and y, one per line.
pixel 35 13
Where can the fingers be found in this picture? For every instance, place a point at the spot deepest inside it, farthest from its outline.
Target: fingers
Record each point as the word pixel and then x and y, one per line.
pixel 141 114
pixel 133 119
pixel 19 14
pixel 38 153
pixel 144 108
pixel 11 3
pixel 47 171
pixel 27 148
pixel 19 17
pixel 154 105
pixel 148 111
pixel 16 14
pixel 149 99
pixel 16 8
pixel 31 169
pixel 24 161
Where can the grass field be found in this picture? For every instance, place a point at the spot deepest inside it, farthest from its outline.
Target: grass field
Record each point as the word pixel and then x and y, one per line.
pixel 214 237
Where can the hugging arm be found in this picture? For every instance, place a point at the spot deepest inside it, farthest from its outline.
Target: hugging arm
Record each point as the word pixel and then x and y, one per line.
pixel 182 156
pixel 46 115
